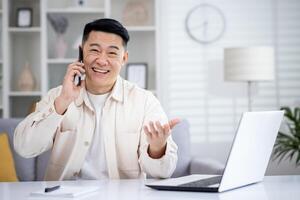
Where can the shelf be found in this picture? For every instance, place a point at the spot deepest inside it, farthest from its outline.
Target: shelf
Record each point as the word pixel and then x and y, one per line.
pixel 140 28
pixel 61 60
pixel 41 39
pixel 25 93
pixel 76 10
pixel 24 29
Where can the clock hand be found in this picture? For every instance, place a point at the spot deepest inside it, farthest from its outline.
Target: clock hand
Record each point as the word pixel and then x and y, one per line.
pixel 205 24
pixel 200 25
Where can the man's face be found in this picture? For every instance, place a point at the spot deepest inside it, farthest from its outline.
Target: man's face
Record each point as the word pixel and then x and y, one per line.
pixel 103 57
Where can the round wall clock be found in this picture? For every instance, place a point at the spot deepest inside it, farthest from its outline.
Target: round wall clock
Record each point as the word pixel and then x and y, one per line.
pixel 205 23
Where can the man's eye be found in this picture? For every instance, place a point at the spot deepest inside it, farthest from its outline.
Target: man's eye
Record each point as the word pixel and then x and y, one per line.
pixel 94 50
pixel 112 53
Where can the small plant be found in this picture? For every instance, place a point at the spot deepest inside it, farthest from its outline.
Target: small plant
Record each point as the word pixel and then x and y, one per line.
pixel 58 22
pixel 287 145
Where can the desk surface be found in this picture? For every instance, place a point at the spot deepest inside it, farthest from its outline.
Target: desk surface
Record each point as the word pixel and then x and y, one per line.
pixel 272 188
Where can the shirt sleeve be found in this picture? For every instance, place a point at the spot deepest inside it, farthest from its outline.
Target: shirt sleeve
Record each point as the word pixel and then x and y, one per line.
pixel 34 135
pixel 162 167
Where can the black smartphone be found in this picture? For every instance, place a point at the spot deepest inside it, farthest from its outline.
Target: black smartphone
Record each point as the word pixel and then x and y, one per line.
pixel 79 78
pixel 80 55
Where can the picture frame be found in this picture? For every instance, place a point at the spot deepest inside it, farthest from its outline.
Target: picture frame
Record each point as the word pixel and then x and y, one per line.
pixel 137 73
pixel 24 17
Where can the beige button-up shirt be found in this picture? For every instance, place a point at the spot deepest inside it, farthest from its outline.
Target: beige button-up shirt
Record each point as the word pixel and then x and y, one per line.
pixel 125 112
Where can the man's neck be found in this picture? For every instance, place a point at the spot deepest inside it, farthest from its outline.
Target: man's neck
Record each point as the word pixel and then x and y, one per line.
pixel 99 90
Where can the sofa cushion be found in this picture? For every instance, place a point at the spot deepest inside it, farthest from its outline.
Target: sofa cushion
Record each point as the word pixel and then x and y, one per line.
pixel 7 165
pixel 24 166
pixel 41 165
pixel 181 136
pixel 206 166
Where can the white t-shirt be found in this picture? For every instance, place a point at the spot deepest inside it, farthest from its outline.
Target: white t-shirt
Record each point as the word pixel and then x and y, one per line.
pixel 94 166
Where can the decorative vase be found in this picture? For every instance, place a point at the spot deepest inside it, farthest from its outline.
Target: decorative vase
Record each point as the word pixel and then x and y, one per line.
pixel 60 46
pixel 26 81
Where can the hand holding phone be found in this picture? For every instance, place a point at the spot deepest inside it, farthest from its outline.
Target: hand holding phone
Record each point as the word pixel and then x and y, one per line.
pixel 79 78
pixel 69 93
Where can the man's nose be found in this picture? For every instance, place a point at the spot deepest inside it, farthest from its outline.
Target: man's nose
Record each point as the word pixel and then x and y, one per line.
pixel 102 59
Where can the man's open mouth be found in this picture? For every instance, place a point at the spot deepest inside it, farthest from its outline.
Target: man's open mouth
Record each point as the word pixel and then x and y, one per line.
pixel 98 70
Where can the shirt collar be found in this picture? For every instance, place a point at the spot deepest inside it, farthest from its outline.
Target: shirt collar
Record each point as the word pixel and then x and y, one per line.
pixel 116 94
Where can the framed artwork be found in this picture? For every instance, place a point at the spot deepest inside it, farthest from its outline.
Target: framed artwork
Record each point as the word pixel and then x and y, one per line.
pixel 24 17
pixel 137 73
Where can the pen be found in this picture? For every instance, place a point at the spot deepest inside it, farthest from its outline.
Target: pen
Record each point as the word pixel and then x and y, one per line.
pixel 50 189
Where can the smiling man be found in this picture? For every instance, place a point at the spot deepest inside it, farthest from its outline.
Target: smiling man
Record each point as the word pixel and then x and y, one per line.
pixel 105 127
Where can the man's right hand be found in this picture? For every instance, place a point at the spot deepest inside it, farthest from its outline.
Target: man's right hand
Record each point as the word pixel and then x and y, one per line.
pixel 69 90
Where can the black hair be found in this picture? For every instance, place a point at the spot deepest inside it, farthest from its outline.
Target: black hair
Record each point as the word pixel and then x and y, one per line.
pixel 106 25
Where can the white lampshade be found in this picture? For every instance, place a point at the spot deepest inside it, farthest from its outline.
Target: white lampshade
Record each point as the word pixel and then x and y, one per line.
pixel 249 64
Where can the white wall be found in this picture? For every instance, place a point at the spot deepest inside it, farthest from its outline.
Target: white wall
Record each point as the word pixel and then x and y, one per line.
pixel 220 150
pixel 192 82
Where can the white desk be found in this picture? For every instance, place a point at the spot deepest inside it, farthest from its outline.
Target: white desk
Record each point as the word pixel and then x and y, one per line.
pixel 273 188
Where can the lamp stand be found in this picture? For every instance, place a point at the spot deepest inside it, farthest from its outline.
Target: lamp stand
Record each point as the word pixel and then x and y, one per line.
pixel 249 96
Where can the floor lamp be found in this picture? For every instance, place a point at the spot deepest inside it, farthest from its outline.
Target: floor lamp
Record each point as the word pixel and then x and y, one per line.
pixel 249 64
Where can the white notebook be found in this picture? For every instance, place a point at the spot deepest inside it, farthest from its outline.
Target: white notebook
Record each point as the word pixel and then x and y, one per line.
pixel 67 191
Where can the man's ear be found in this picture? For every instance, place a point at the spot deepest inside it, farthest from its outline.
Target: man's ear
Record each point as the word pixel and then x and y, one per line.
pixel 125 58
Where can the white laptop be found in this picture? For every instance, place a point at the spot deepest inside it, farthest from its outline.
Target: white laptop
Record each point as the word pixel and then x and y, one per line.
pixel 247 162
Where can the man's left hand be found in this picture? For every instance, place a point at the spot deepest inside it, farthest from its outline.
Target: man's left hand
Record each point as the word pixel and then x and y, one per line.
pixel 157 136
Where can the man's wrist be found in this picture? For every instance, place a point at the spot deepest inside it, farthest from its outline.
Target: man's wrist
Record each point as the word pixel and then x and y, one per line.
pixel 61 105
pixel 155 152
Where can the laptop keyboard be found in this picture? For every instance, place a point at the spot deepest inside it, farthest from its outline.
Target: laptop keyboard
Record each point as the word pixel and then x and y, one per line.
pixel 203 182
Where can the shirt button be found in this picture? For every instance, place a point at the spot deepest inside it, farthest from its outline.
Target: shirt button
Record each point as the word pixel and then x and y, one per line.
pixel 86 143
pixel 44 115
pixel 50 110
